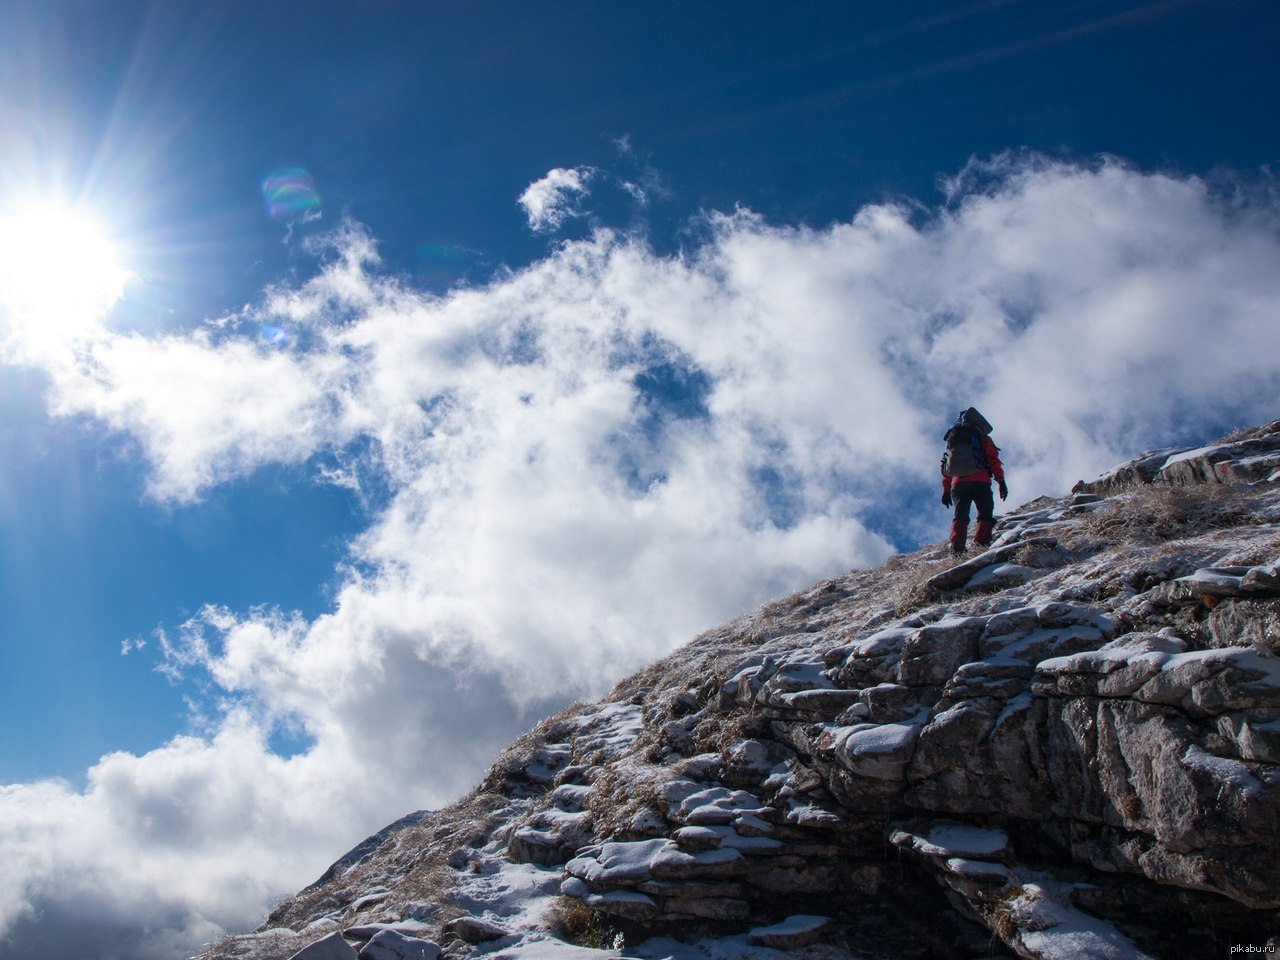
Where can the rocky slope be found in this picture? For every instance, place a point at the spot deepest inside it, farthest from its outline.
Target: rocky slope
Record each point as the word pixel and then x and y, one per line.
pixel 1067 745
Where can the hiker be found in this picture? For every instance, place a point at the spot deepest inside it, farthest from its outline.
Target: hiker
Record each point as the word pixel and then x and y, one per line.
pixel 969 463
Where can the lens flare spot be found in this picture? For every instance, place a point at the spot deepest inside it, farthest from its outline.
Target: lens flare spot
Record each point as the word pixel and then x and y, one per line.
pixel 290 195
pixel 442 264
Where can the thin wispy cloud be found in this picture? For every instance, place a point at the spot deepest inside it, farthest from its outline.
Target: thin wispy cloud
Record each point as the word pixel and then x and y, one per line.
pixel 583 463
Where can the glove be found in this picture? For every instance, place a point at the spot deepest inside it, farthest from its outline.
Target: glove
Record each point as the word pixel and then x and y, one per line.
pixel 1004 491
pixel 946 498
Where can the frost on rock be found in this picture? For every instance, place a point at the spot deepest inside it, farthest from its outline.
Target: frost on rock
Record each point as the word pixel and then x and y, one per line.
pixel 1047 927
pixel 1066 746
pixel 332 947
pixel 392 945
pixel 795 931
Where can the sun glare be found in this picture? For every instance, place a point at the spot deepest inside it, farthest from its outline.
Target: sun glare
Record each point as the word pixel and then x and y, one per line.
pixel 60 272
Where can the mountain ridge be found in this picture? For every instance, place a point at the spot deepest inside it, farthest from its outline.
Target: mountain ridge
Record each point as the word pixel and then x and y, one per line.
pixel 1065 746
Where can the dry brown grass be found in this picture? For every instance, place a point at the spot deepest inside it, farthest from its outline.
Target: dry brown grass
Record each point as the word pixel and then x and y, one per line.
pixel 559 728
pixel 1252 433
pixel 909 591
pixel 417 857
pixel 574 922
pixel 262 946
pixel 1001 919
pixel 719 731
pixel 622 792
pixel 1160 513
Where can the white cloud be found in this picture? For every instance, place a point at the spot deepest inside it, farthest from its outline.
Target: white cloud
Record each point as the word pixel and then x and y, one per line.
pixel 557 197
pixel 589 460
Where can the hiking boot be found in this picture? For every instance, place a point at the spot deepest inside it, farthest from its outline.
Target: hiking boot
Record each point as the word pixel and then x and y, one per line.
pixel 982 535
pixel 959 530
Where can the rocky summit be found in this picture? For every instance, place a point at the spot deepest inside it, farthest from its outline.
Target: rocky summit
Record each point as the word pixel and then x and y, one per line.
pixel 1064 746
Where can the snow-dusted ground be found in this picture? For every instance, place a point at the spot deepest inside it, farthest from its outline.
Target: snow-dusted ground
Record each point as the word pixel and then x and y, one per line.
pixel 589 825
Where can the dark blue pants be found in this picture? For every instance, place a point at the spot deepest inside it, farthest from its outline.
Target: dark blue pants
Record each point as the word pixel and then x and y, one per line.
pixel 972 493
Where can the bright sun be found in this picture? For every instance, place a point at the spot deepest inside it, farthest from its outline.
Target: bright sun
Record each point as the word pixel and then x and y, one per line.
pixel 60 272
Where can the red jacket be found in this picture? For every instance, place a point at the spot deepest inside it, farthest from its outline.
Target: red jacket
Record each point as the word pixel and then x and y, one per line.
pixel 992 455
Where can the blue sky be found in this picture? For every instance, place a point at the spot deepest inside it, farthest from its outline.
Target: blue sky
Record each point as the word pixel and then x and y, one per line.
pixel 377 376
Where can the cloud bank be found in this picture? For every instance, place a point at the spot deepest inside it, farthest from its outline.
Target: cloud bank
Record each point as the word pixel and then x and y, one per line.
pixel 582 464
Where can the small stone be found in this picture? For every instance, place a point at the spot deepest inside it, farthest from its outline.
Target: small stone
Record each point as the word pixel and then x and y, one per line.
pixel 474 930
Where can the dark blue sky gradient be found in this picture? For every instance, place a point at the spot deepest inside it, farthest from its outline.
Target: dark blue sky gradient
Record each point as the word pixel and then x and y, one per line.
pixel 425 121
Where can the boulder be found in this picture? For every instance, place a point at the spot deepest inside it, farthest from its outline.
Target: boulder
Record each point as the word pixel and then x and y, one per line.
pixel 332 947
pixel 1135 473
pixel 1239 623
pixel 549 837
pixel 932 654
pixel 392 945
pixel 957 576
pixel 1248 461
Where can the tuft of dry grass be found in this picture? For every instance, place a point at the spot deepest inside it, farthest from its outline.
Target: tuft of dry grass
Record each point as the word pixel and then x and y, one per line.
pixel 909 590
pixel 574 922
pixel 623 792
pixel 719 730
pixel 1001 919
pixel 1252 433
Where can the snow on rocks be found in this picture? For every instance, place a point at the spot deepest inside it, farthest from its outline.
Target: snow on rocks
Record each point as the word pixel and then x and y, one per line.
pixel 616 878
pixel 1032 910
pixel 1034 633
pixel 931 654
pixel 1248 461
pixel 1111 709
pixel 956 577
pixel 1211 584
pixel 332 947
pixel 1255 459
pixel 879 751
pixel 874 659
pixel 945 840
pixel 474 930
pixel 550 836
pixel 617 863
pixel 748 762
pixel 1140 471
pixel 1001 575
pixel 795 931
pixel 716 805
pixel 716 838
pixel 1153 670
pixel 608 729
pixel 392 945
pixel 409 929
pixel 1043 925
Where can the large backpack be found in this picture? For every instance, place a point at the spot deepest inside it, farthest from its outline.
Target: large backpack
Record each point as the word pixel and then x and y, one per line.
pixel 972 418
pixel 963 455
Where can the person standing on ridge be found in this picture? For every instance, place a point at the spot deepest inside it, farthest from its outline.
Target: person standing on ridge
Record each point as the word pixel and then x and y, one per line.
pixel 969 464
